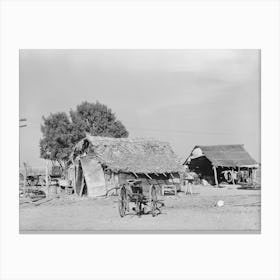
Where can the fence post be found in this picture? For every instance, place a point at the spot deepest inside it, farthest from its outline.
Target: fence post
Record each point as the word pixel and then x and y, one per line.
pixel 47 177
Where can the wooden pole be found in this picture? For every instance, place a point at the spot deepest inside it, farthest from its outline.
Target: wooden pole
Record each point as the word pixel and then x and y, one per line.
pixel 251 174
pixel 47 177
pixel 254 174
pixel 116 182
pixel 82 185
pixel 215 176
pixel 148 176
pixel 254 177
pixel 24 179
pixel 74 179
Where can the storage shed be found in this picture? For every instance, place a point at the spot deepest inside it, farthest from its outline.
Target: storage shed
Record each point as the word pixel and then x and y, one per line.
pixel 101 163
pixel 219 163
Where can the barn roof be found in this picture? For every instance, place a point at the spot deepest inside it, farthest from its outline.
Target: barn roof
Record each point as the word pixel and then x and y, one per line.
pixel 132 155
pixel 227 155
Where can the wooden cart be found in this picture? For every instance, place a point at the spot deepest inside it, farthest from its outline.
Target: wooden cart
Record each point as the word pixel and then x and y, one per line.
pixel 133 191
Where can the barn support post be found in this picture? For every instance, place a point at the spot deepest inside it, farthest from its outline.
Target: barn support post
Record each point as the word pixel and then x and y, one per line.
pixel 238 175
pixel 232 175
pixel 215 176
pixel 253 175
pixel 116 182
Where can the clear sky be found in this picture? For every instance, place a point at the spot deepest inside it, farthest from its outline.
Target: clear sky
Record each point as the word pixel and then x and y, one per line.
pixel 185 97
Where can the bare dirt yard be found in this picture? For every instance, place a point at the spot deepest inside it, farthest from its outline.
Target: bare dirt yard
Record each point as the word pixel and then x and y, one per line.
pixel 184 213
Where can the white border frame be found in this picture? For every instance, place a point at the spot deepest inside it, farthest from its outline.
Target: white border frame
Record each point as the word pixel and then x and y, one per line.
pixel 155 24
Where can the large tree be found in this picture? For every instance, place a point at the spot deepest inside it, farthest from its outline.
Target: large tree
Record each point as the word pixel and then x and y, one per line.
pixel 61 133
pixel 56 143
pixel 96 119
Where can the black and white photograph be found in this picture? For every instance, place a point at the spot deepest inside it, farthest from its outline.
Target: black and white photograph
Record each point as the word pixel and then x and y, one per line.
pixel 139 140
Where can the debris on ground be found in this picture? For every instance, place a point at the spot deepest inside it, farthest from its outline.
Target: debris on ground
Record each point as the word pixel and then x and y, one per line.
pixel 220 203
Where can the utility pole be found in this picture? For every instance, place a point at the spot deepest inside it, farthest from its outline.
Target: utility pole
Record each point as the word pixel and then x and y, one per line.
pixel 47 174
pixel 23 124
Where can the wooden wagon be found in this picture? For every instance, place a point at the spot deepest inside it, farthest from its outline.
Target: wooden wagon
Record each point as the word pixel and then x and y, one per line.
pixel 134 192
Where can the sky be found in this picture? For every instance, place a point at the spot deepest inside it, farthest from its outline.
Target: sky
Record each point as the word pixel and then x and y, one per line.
pixel 185 97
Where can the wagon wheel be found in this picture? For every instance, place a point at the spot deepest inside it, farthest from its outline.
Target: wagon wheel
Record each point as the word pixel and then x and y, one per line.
pixel 122 201
pixel 153 199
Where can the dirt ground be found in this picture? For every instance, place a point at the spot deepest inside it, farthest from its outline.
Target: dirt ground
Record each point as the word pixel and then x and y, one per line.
pixel 191 213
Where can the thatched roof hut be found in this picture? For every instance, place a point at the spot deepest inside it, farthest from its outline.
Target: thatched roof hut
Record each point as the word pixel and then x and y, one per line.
pixel 122 158
pixel 131 155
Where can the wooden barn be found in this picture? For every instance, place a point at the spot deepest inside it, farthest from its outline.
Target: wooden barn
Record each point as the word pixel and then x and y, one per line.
pixel 99 164
pixel 222 163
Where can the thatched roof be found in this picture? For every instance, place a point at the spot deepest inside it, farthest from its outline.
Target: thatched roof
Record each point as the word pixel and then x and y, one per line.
pixel 131 155
pixel 227 155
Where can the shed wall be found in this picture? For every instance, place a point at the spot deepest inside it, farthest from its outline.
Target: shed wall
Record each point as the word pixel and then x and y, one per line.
pixel 94 177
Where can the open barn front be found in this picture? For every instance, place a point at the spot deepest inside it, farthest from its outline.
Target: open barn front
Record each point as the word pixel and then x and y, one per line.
pixel 90 178
pixel 203 168
pixel 223 164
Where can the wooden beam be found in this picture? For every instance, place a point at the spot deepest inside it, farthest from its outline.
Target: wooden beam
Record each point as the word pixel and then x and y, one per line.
pixel 148 176
pixel 135 175
pixel 164 174
pixel 215 175
pixel 172 175
pixel 254 174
